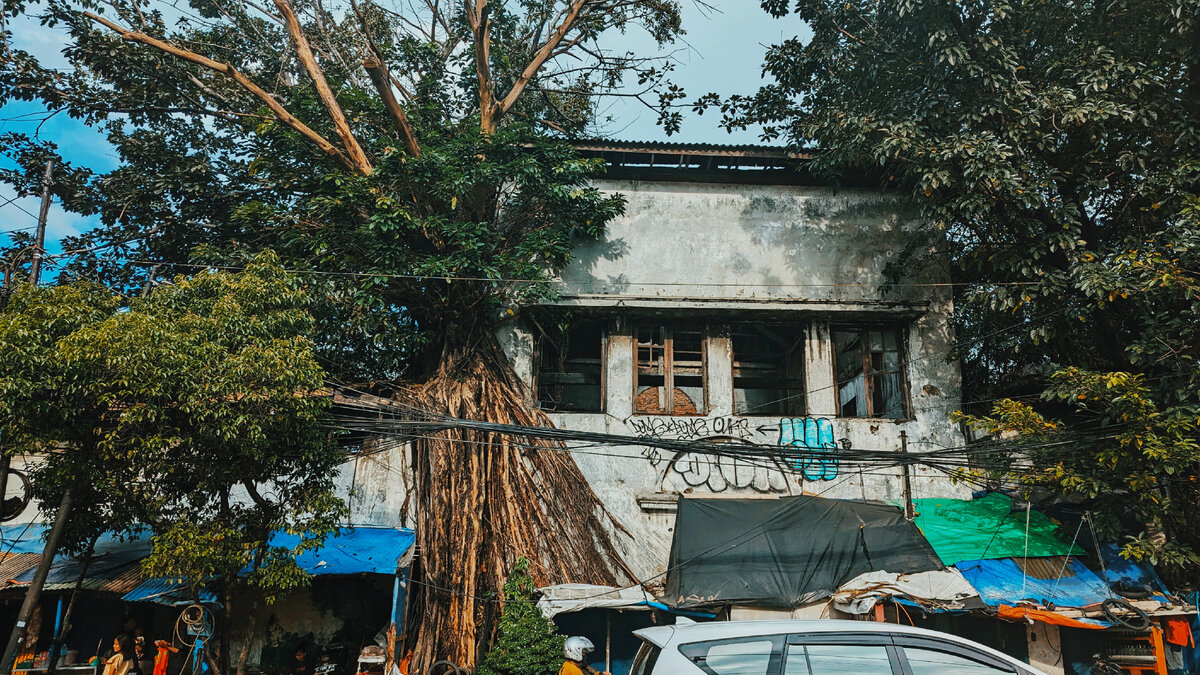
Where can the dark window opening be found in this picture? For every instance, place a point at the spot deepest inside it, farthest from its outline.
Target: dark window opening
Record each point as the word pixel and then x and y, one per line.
pixel 670 371
pixel 570 367
pixel 870 373
pixel 768 371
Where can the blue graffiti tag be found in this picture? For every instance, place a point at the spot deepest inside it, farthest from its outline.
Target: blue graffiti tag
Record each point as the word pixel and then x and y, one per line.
pixel 814 434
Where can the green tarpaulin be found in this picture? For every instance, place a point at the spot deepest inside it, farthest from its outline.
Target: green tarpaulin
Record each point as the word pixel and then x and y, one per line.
pixel 975 529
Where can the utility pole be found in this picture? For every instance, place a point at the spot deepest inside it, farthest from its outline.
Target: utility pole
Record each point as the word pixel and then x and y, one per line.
pixel 909 514
pixel 35 271
pixel 34 594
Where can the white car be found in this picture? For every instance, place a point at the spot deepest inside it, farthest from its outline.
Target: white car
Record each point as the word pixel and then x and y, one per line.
pixel 820 647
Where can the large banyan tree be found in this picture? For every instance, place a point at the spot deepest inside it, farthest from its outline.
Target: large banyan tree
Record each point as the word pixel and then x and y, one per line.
pixel 409 159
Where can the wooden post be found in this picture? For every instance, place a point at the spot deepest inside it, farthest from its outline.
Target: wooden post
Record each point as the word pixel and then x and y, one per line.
pixel 608 641
pixel 909 513
pixel 60 636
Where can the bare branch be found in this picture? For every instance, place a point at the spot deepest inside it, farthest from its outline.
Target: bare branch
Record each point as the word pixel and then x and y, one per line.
pixel 304 52
pixel 377 69
pixel 542 55
pixel 480 23
pixel 237 76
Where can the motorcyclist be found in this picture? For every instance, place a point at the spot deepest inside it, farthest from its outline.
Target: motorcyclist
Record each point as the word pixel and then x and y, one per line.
pixel 576 649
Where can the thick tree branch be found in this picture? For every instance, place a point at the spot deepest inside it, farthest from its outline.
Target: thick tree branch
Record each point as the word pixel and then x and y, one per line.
pixel 377 69
pixel 489 110
pixel 237 76
pixel 383 84
pixel 542 55
pixel 304 52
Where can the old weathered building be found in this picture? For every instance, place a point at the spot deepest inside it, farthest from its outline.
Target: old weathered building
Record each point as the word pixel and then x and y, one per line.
pixel 737 299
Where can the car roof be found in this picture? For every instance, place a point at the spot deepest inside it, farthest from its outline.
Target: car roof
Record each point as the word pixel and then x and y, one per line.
pixel 659 636
pixel 716 630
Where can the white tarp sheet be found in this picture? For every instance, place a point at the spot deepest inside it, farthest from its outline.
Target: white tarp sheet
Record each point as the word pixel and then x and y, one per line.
pixel 576 597
pixel 946 589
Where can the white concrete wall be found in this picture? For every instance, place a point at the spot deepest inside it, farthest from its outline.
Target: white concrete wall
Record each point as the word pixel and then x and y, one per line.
pixel 721 253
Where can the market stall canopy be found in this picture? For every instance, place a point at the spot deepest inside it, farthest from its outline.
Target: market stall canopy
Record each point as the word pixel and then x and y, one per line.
pixel 785 552
pixel 576 597
pixel 361 549
pixel 114 567
pixel 973 529
pixel 1058 581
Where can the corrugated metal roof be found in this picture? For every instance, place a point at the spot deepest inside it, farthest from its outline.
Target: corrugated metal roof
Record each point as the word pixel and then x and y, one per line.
pixel 166 591
pixel 121 583
pixel 705 149
pixel 14 565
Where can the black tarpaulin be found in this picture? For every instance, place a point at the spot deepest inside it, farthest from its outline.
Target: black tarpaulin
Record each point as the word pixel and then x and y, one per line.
pixel 785 552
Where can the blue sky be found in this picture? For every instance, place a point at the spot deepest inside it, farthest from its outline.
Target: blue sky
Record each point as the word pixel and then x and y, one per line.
pixel 721 52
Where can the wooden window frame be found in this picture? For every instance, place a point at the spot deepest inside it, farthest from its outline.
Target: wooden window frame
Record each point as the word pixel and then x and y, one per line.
pixel 801 333
pixel 868 388
pixel 539 353
pixel 668 331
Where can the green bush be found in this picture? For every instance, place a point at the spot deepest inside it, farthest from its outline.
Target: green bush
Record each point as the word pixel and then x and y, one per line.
pixel 527 643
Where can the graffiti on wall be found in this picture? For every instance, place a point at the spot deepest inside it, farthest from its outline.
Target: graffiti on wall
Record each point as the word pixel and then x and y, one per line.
pixel 722 473
pixel 815 434
pixel 691 428
pixel 719 473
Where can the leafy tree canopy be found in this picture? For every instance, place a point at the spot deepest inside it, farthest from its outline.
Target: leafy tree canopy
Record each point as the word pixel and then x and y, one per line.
pixel 193 412
pixel 1053 147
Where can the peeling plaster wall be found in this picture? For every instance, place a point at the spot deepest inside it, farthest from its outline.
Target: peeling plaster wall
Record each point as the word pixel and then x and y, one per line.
pixel 722 241
pixel 732 252
pixel 725 252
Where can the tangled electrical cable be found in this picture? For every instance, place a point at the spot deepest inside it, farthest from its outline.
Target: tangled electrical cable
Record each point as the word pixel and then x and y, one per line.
pixel 385 418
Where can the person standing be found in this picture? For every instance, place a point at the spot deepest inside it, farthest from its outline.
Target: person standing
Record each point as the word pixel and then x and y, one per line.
pixel 121 661
pixel 163 656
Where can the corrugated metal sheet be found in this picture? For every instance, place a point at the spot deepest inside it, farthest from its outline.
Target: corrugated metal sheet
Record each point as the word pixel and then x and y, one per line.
pixel 14 565
pixel 703 149
pixel 1046 568
pixel 121 583
pixel 166 591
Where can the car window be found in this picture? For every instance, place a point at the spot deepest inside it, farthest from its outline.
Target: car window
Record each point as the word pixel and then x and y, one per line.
pixel 935 662
pixel 643 663
pixel 749 656
pixel 740 658
pixel 837 660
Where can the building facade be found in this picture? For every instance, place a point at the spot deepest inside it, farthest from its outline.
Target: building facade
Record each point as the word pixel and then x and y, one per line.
pixel 736 300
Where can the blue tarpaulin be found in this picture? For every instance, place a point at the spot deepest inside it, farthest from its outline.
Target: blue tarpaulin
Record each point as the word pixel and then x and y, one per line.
pixel 165 591
pixel 26 538
pixel 354 550
pixel 1132 575
pixel 1001 582
pixel 110 558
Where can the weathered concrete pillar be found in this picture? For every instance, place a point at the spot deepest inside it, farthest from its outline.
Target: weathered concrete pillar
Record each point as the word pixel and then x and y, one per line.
pixel 718 358
pixel 618 367
pixel 818 371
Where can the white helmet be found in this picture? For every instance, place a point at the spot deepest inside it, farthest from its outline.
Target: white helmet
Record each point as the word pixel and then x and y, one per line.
pixel 575 648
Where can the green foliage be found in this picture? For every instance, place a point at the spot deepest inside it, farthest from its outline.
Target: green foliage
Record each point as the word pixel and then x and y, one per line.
pixel 1053 146
pixel 193 412
pixel 527 643
pixel 209 175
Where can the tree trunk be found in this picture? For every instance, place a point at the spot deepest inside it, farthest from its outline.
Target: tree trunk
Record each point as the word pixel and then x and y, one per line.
pixel 485 499
pixel 248 640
